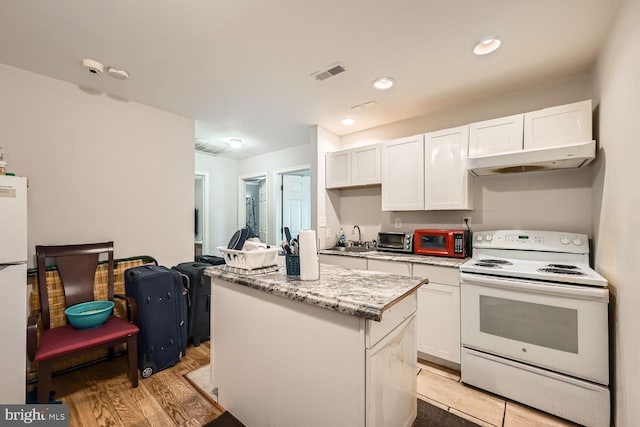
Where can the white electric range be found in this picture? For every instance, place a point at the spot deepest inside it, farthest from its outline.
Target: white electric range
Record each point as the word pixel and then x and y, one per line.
pixel 534 323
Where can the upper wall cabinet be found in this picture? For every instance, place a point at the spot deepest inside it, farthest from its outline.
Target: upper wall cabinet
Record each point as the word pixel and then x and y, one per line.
pixel 496 136
pixel 446 181
pixel 562 125
pixel 353 167
pixel 551 138
pixel 403 174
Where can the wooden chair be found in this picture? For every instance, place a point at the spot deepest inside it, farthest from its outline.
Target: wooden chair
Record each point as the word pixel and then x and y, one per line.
pixel 77 267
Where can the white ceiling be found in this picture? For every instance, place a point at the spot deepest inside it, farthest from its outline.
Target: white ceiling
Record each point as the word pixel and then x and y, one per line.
pixel 243 68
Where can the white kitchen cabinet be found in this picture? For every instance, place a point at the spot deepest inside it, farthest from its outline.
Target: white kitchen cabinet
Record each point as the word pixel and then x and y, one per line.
pixel 403 174
pixel 338 169
pixel 447 183
pixel 363 370
pixel 439 312
pixel 555 126
pixel 393 267
pixel 365 165
pixel 496 136
pixel 357 263
pixel 353 167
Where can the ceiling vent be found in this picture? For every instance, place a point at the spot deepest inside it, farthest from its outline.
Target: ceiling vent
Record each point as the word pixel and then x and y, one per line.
pixel 330 71
pixel 214 149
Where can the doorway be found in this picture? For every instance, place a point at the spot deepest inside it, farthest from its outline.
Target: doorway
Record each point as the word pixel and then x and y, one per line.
pixel 252 209
pixel 295 201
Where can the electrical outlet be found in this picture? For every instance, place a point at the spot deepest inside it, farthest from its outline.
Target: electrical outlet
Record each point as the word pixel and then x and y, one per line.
pixel 398 223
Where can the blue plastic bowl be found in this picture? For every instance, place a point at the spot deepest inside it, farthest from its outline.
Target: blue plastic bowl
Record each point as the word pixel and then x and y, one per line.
pixel 89 315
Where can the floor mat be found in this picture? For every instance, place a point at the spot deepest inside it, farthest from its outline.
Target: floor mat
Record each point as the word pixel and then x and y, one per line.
pixel 432 416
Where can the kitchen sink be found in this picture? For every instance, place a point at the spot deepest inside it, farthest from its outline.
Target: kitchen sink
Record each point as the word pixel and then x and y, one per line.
pixel 352 249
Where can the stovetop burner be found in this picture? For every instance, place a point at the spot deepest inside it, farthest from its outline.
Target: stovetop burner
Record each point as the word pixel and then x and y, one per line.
pixel 561 271
pixel 487 264
pixel 563 266
pixel 496 261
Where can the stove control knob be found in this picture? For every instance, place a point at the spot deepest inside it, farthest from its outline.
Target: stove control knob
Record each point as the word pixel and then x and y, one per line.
pixel 479 238
pixel 488 238
pixel 577 241
pixel 565 240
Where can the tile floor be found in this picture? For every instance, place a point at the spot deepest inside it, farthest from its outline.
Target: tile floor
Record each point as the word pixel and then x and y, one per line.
pixel 442 387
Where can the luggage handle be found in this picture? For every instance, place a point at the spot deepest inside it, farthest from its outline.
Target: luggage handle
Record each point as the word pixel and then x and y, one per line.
pixel 187 284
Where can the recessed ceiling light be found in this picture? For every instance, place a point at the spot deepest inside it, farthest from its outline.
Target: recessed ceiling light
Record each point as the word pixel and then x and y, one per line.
pixel 235 143
pixel 486 46
pixel 383 83
pixel 348 121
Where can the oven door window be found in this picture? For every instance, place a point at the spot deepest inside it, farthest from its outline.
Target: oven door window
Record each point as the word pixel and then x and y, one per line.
pixel 544 325
pixel 392 240
pixel 433 242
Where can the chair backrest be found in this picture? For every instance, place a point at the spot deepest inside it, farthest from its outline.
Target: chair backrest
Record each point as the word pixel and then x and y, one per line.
pixel 77 266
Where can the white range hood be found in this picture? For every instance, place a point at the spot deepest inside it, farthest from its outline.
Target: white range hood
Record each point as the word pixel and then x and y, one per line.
pixel 559 157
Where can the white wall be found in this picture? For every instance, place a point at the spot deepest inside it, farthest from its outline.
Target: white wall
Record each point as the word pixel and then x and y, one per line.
pixel 325 204
pixel 222 219
pixel 99 168
pixel 270 164
pixel 616 202
pixel 551 200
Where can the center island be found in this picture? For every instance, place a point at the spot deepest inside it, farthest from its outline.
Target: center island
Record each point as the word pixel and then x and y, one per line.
pixel 338 351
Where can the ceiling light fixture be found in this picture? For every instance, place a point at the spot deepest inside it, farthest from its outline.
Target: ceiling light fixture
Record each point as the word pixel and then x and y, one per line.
pixel 348 121
pixel 487 45
pixel 235 143
pixel 383 83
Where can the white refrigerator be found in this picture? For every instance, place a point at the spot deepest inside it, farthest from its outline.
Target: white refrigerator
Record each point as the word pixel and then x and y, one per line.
pixel 13 288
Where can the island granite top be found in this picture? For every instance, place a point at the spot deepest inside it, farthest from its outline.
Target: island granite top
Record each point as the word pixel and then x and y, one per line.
pixel 355 292
pixel 400 257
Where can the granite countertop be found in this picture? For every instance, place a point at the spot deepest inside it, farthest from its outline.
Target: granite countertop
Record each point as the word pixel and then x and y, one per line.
pixel 400 257
pixel 356 292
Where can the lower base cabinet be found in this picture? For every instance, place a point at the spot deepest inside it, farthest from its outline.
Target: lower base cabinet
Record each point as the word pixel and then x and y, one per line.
pixel 357 263
pixel 439 321
pixel 439 312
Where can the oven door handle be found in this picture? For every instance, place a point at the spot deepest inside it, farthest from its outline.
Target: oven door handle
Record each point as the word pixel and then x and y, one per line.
pixel 569 291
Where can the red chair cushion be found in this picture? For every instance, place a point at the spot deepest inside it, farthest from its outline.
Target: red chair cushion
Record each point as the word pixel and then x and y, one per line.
pixel 67 339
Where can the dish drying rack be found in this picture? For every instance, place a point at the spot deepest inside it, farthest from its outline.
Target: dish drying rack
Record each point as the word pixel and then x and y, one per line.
pixel 250 260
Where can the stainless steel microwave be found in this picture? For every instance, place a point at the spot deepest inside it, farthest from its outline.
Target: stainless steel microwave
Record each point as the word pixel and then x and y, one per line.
pixel 394 241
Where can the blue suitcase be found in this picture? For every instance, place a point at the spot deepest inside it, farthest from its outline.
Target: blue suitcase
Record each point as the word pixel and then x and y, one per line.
pixel 162 315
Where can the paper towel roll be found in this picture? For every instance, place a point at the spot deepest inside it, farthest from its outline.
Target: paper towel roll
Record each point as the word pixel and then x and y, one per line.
pixel 309 267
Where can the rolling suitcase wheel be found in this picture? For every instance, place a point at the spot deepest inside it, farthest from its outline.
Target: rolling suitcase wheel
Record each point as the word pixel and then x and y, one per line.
pixel 147 372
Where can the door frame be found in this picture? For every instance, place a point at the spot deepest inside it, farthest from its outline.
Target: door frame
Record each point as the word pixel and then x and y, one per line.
pixel 204 216
pixel 277 190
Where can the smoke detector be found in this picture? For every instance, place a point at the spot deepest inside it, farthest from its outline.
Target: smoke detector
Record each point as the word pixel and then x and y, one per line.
pixel 93 66
pixel 117 73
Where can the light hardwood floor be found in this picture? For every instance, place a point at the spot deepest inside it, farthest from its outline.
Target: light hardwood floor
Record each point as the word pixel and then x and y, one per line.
pixel 101 395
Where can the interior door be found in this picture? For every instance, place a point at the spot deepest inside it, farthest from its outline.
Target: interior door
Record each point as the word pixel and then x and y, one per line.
pixel 296 203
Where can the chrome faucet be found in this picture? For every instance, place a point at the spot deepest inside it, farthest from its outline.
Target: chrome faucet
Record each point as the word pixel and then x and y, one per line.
pixel 359 232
